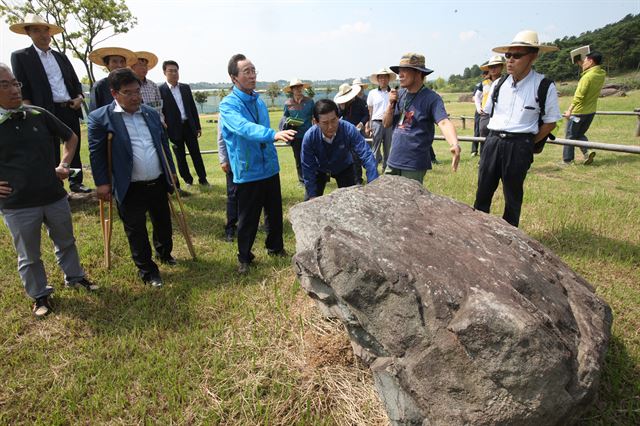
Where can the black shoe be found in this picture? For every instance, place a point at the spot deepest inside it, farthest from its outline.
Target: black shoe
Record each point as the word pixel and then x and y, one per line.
pixel 243 268
pixel 83 283
pixel 279 253
pixel 155 282
pixel 183 193
pixel 80 188
pixel 188 184
pixel 204 182
pixel 41 307
pixel 169 260
pixel 228 238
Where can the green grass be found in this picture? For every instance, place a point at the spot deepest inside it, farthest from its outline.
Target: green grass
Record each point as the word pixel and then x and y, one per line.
pixel 215 348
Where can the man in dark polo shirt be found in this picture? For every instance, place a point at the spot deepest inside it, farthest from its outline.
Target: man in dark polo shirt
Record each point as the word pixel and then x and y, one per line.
pixel 31 192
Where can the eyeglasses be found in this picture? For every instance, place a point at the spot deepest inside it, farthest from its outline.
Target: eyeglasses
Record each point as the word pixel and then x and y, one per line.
pixel 6 84
pixel 249 71
pixel 131 94
pixel 515 55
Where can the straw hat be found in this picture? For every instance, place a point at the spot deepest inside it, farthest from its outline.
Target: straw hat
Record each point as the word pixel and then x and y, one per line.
pixel 295 82
pixel 526 38
pixel 359 82
pixel 152 60
pixel 412 60
pixel 374 77
pixel 98 55
pixel 495 60
pixel 32 19
pixel 346 92
pixel 580 53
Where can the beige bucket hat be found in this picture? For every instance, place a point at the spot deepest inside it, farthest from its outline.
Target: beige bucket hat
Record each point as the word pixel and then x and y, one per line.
pixel 360 83
pixel 579 54
pixel 32 19
pixel 98 55
pixel 152 60
pixel 495 60
pixel 295 82
pixel 412 60
pixel 346 92
pixel 526 38
pixel 374 77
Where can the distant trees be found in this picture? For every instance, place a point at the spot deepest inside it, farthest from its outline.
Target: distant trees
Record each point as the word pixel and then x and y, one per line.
pixel 273 91
pixel 221 94
pixel 201 98
pixel 310 92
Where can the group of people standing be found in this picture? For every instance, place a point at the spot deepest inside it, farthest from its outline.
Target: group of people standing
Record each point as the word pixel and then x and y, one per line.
pixel 132 121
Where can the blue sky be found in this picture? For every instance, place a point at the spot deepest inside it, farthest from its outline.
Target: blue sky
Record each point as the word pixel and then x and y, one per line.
pixel 339 39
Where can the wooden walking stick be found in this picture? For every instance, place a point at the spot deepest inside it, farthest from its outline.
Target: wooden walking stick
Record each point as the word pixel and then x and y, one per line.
pixel 178 215
pixel 106 216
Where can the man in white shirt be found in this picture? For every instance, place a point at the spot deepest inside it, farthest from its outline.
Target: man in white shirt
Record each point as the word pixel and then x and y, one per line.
pixel 515 126
pixel 377 102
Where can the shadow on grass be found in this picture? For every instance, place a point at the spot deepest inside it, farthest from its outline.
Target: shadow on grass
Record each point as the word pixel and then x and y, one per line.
pixel 576 240
pixel 619 396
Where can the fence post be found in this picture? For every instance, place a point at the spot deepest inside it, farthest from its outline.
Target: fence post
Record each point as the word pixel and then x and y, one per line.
pixel 638 128
pixel 464 122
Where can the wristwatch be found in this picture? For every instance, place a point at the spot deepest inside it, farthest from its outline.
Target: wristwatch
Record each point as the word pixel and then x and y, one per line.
pixel 64 165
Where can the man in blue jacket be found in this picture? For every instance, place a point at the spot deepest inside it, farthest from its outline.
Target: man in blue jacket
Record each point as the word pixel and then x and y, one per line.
pixel 244 121
pixel 140 167
pixel 327 148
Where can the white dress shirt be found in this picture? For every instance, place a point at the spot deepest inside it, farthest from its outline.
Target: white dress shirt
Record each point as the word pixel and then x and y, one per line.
pixel 54 75
pixel 378 100
pixel 175 91
pixel 146 162
pixel 517 110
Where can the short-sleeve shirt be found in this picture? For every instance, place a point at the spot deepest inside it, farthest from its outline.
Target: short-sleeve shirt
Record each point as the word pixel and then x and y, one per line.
pixel 413 136
pixel 27 161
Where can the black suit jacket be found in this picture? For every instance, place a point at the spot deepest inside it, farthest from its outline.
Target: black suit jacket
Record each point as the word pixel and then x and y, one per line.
pixel 28 69
pixel 171 112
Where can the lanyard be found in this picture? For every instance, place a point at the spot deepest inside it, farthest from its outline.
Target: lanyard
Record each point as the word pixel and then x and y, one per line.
pixel 256 118
pixel 408 102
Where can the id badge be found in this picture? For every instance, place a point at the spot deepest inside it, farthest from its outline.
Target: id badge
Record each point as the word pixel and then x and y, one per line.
pixel 401 118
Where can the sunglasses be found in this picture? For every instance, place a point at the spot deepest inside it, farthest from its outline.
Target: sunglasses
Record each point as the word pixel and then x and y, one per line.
pixel 516 55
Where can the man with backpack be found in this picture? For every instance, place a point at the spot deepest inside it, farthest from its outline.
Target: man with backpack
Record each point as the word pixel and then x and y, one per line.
pixel 524 109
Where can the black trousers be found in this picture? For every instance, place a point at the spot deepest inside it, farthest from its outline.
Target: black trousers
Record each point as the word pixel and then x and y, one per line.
pixel 69 117
pixel 190 140
pixel 143 197
pixel 296 145
pixel 232 206
pixel 343 179
pixel 252 198
pixel 506 158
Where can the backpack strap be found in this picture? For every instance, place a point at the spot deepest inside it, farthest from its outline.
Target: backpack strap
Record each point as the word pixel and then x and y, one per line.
pixel 543 89
pixel 496 92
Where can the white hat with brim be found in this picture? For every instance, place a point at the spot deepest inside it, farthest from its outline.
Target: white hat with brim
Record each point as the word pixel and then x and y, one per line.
pixel 360 83
pixel 581 53
pixel 152 60
pixel 98 55
pixel 293 83
pixel 346 92
pixel 495 60
pixel 32 20
pixel 526 38
pixel 384 71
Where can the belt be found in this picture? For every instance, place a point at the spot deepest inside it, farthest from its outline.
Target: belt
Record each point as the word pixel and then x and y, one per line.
pixel 377 120
pixel 66 104
pixel 145 183
pixel 510 135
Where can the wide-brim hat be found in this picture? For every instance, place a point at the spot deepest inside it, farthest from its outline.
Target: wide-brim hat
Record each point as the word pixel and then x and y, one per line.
pixel 580 52
pixel 526 38
pixel 295 82
pixel 346 92
pixel 31 19
pixel 98 55
pixel 495 60
pixel 412 60
pixel 360 83
pixel 152 60
pixel 374 77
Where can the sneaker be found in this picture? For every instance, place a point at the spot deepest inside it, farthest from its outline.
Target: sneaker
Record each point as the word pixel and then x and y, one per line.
pixel 188 184
pixel 155 282
pixel 169 260
pixel 41 307
pixel 183 193
pixel 228 238
pixel 565 163
pixel 474 154
pixel 243 268
pixel 588 158
pixel 204 182
pixel 83 283
pixel 279 253
pixel 79 188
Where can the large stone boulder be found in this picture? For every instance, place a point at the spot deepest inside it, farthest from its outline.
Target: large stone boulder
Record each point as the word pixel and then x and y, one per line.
pixel 462 318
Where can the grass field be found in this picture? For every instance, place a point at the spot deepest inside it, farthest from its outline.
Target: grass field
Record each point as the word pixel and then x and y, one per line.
pixel 212 347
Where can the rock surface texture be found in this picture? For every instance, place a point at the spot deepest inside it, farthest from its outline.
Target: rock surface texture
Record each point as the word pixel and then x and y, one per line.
pixel 462 318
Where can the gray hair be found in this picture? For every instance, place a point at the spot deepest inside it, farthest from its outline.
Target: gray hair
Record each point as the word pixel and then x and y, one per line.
pixel 5 67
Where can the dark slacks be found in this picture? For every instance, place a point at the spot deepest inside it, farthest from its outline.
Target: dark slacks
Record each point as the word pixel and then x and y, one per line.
pixel 142 198
pixel 296 145
pixel 252 198
pixel 69 117
pixel 232 206
pixel 343 179
pixel 190 140
pixel 507 159
pixel 577 126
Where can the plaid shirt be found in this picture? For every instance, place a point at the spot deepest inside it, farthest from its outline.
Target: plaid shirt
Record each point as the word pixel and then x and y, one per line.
pixel 151 96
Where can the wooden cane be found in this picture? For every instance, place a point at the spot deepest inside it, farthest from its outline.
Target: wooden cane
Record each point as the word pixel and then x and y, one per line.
pixel 107 221
pixel 179 215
